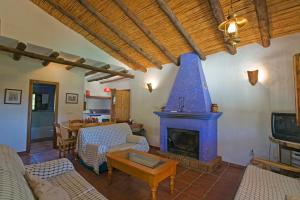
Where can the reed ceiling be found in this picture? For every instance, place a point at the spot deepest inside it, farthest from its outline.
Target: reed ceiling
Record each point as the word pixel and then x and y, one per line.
pixel 195 16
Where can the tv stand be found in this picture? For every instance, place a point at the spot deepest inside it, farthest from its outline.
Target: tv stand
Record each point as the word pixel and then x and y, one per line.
pixel 287 145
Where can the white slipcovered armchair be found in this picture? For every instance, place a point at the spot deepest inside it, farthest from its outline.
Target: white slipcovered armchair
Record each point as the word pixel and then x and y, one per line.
pixel 94 142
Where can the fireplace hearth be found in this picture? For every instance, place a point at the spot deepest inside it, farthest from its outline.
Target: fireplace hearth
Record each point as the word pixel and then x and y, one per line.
pixel 183 142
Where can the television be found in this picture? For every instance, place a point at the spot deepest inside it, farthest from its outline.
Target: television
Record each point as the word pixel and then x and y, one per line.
pixel 284 127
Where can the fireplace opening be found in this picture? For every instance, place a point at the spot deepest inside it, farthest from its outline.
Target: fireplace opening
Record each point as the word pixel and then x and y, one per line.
pixel 183 142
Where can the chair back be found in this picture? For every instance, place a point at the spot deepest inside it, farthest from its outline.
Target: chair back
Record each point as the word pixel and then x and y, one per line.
pixel 75 122
pixel 57 129
pixel 85 125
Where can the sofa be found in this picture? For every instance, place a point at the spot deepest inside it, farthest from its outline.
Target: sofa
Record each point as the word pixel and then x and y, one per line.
pixel 59 173
pixel 259 183
pixel 94 142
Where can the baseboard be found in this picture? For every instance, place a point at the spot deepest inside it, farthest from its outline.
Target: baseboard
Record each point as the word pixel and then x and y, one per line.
pixel 42 139
pixel 22 153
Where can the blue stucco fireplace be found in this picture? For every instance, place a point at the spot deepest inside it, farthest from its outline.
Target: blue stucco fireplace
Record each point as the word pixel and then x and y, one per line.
pixel 188 109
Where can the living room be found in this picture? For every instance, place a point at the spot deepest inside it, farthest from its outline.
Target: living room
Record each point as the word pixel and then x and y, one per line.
pixel 225 89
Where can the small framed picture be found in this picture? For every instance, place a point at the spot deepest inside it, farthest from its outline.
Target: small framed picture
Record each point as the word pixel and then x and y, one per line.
pixel 12 96
pixel 71 98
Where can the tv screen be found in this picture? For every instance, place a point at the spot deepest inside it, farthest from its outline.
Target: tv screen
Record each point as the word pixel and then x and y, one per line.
pixel 284 127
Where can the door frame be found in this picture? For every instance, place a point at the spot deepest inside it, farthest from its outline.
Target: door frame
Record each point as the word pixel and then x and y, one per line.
pixel 29 118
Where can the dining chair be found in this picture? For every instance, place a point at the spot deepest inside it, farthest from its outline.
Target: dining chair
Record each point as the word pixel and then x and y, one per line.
pixel 65 143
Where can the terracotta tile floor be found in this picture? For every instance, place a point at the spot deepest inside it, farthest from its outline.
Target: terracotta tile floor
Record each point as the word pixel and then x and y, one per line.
pixel 189 184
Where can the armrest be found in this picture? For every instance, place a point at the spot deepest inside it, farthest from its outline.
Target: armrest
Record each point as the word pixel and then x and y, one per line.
pixel 51 168
pixel 266 164
pixel 135 139
pixel 140 141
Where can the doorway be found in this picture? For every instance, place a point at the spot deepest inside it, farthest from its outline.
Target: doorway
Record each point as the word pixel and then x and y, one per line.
pixel 42 113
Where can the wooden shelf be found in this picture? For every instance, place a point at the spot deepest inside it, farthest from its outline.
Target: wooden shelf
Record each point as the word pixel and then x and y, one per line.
pixel 98 97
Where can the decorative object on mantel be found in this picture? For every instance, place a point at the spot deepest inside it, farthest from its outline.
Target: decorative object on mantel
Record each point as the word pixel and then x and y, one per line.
pixel 180 104
pixel 253 76
pixel 149 86
pixel 71 98
pixel 12 96
pixel 231 27
pixel 214 107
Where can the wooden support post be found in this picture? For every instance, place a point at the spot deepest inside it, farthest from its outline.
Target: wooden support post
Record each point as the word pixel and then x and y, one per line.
pixel 263 21
pixel 108 43
pixel 218 13
pixel 121 35
pixel 80 60
pixel 21 46
pixel 146 31
pixel 109 81
pixel 163 5
pixel 54 54
pixel 105 77
pixel 93 72
pixel 61 61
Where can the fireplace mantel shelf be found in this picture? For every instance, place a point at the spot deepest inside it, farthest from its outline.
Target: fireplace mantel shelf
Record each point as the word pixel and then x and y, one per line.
pixel 203 116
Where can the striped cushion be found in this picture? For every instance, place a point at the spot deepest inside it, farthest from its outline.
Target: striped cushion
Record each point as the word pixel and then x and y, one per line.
pixel 260 184
pixel 10 160
pixel 51 168
pixel 13 186
pixel 76 186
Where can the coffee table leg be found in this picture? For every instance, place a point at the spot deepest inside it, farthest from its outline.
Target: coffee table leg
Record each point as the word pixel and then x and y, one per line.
pixel 154 192
pixel 109 173
pixel 172 184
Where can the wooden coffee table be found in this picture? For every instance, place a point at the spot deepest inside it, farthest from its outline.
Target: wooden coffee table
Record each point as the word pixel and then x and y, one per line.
pixel 153 176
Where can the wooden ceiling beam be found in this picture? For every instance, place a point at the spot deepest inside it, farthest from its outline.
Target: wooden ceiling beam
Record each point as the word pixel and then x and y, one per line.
pixel 218 13
pixel 54 54
pixel 62 61
pixel 109 44
pixel 106 77
pixel 119 33
pixel 163 5
pixel 80 60
pixel 263 21
pixel 93 72
pixel 21 46
pixel 114 80
pixel 146 31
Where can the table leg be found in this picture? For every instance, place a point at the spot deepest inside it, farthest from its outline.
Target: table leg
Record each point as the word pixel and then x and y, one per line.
pixel 154 192
pixel 172 183
pixel 109 173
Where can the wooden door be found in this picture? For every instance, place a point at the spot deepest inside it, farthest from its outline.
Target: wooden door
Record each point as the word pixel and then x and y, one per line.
pixel 120 111
pixel 297 85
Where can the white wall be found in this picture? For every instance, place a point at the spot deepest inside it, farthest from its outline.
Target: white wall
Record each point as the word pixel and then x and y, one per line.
pixel 245 123
pixel 16 75
pixel 24 21
pixel 97 89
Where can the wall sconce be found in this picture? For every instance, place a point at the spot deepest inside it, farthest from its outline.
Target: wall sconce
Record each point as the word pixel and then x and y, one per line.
pixel 149 85
pixel 253 76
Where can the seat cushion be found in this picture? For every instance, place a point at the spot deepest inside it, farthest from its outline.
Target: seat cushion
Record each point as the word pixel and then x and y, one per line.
pixel 44 190
pixel 14 186
pixel 121 147
pixel 76 186
pixel 260 184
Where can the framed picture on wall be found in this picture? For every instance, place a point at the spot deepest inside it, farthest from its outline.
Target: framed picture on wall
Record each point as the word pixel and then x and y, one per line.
pixel 12 96
pixel 71 98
